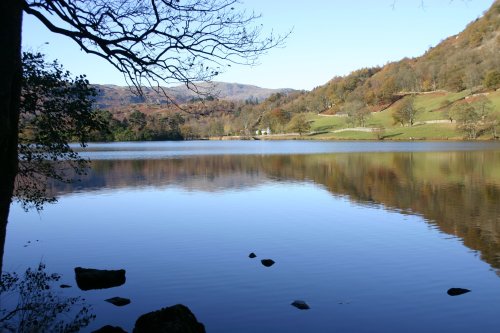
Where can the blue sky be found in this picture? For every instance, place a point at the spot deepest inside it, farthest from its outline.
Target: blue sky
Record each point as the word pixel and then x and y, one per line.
pixel 329 38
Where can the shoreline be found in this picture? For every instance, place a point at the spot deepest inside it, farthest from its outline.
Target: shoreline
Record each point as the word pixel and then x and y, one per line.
pixel 315 138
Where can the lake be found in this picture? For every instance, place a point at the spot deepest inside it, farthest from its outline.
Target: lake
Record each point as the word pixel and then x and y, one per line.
pixel 370 234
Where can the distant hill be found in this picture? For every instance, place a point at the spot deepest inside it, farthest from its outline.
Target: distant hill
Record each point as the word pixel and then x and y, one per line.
pixel 112 96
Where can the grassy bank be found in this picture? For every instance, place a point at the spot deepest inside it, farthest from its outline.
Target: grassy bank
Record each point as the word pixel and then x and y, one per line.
pixel 431 123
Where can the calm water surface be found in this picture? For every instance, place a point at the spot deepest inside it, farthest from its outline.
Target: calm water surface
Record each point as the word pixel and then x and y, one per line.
pixel 370 235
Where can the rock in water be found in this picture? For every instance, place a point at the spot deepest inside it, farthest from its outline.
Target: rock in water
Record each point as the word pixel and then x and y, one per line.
pixel 89 278
pixel 118 301
pixel 267 262
pixel 110 329
pixel 252 255
pixel 174 319
pixel 457 291
pixel 301 305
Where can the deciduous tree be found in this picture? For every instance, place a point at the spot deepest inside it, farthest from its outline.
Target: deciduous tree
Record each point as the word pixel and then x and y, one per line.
pixel 299 124
pixel 492 79
pixel 357 113
pixel 405 111
pixel 475 118
pixel 55 109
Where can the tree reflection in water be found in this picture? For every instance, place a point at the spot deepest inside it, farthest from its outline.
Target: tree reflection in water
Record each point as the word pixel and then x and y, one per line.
pixel 457 191
pixel 31 304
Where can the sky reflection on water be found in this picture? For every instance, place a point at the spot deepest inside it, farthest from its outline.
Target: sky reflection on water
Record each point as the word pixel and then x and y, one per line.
pixel 169 149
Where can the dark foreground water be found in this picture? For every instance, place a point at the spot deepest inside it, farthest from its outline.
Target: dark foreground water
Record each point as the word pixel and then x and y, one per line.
pixel 370 235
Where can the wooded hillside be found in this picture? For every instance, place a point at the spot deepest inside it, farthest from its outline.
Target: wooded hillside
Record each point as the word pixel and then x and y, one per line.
pixel 447 93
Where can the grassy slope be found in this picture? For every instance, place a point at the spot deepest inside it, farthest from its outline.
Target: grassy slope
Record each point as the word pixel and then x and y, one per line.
pixel 456 52
pixel 428 103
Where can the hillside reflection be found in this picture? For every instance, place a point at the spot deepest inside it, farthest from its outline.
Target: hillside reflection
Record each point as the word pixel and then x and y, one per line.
pixel 458 192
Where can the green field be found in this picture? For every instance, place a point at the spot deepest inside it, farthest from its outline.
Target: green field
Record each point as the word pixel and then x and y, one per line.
pixel 430 109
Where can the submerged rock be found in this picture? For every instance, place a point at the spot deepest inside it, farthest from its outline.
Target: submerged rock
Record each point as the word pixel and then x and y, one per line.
pixel 267 262
pixel 89 278
pixel 457 291
pixel 110 329
pixel 174 319
pixel 301 305
pixel 252 255
pixel 118 301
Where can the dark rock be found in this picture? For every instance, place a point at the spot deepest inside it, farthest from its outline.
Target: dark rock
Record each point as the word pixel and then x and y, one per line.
pixel 267 262
pixel 252 255
pixel 301 305
pixel 118 301
pixel 89 278
pixel 110 329
pixel 457 291
pixel 174 319
pixel 64 286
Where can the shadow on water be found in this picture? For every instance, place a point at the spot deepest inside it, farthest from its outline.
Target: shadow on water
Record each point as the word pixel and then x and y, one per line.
pixel 32 303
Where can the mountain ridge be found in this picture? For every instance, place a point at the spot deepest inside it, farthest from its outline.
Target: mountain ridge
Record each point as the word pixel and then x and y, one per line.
pixel 112 96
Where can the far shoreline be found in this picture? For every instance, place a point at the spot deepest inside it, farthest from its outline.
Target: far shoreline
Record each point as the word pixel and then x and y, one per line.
pixel 307 137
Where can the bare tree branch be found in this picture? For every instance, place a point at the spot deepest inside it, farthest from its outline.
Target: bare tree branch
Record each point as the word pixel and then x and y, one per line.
pixel 155 42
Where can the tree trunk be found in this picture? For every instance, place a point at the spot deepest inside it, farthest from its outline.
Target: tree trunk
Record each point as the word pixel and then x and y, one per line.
pixel 10 96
